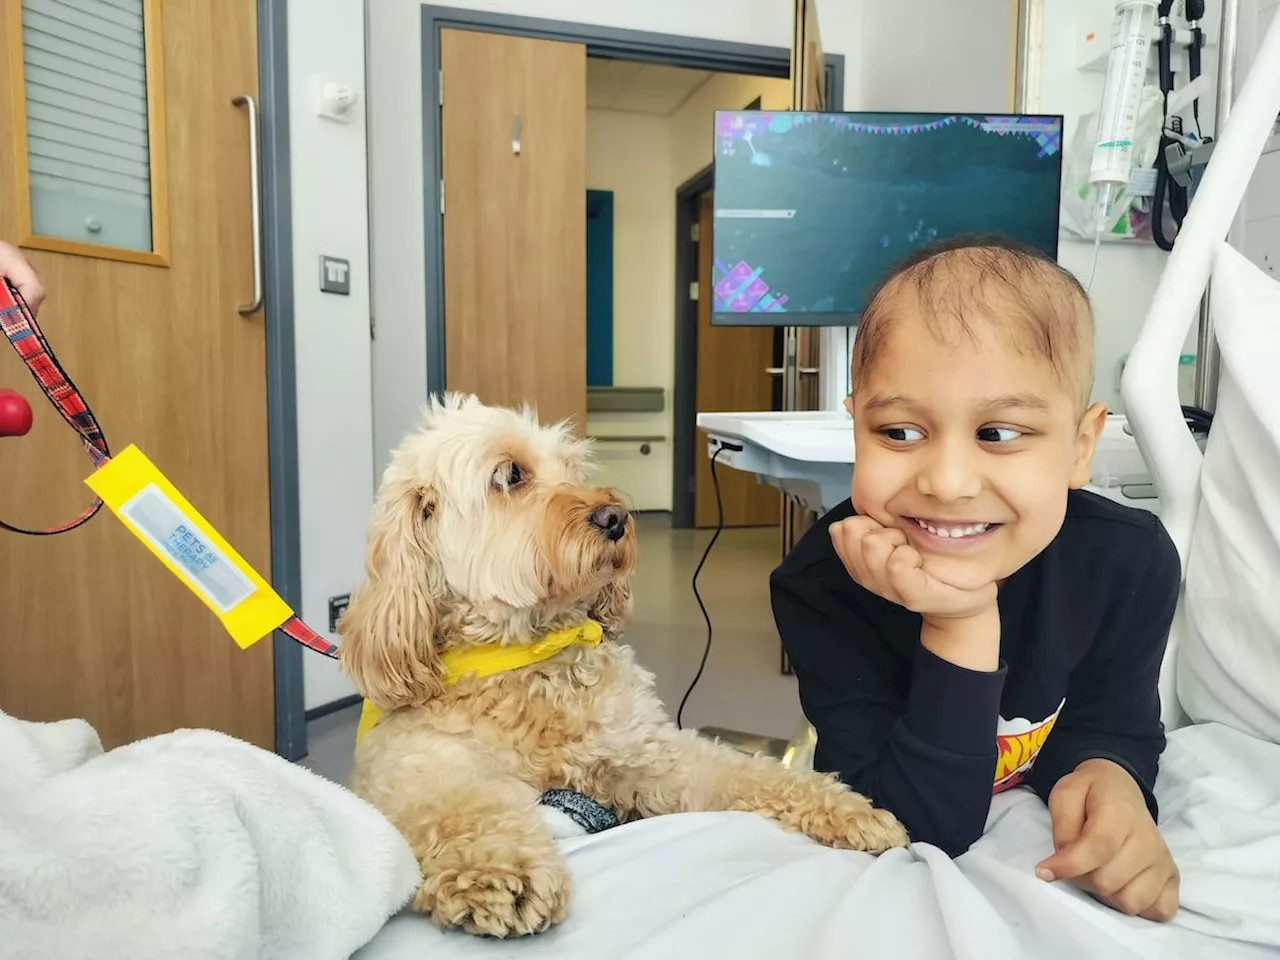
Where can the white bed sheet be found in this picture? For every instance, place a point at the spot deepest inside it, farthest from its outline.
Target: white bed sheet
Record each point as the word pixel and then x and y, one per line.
pixel 736 886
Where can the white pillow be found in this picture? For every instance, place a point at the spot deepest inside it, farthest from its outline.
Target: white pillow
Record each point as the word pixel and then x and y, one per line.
pixel 1229 666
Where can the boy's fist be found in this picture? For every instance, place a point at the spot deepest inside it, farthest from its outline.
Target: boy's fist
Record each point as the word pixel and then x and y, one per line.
pixel 882 561
pixel 1107 843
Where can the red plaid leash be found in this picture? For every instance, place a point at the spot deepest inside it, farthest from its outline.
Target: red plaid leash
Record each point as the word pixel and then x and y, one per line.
pixel 21 330
pixel 295 629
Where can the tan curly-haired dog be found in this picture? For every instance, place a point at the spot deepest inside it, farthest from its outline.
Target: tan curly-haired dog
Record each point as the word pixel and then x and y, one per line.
pixel 485 533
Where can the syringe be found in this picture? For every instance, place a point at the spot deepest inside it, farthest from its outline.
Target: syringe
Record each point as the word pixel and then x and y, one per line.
pixel 1118 119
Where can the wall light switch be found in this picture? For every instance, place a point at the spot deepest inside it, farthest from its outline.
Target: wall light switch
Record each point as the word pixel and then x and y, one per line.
pixel 335 275
pixel 337 607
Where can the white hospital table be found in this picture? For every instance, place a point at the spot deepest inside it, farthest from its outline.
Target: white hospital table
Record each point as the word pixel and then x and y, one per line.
pixel 810 456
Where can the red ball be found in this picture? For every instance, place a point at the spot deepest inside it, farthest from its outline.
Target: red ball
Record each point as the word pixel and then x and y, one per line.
pixel 15 414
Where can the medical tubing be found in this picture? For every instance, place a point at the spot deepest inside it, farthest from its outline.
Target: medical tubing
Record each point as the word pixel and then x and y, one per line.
pixel 1093 264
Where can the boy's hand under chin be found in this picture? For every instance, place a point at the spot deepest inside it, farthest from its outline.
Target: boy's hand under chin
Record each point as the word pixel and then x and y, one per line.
pixel 881 560
pixel 1107 843
pixel 960 625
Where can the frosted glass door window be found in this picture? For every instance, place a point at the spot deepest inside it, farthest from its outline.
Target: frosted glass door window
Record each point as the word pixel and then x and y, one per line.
pixel 85 73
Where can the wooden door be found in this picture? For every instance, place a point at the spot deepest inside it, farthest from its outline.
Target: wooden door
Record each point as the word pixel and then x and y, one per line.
pixel 731 378
pixel 515 185
pixel 90 624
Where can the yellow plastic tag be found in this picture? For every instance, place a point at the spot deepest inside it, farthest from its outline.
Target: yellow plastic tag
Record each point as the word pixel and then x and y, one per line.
pixel 162 518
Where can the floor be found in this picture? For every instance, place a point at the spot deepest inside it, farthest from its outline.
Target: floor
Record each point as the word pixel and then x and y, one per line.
pixel 742 688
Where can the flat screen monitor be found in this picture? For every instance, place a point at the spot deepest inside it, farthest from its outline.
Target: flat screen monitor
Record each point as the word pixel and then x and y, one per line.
pixel 812 209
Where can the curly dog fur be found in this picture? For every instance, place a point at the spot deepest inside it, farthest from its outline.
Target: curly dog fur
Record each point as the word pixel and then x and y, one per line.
pixel 485 531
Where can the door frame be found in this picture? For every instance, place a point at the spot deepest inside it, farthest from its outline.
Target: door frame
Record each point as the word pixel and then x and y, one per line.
pixel 282 393
pixel 684 403
pixel 610 43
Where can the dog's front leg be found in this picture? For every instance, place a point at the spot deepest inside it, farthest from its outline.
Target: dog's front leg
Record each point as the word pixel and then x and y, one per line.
pixel 681 772
pixel 489 863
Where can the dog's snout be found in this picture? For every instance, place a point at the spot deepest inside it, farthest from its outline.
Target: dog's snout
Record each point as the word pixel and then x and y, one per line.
pixel 610 520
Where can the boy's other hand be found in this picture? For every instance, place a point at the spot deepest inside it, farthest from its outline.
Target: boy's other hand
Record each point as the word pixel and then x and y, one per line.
pixel 1107 843
pixel 881 560
pixel 15 268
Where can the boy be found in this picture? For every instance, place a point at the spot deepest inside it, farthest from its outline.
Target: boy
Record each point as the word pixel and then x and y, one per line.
pixel 972 619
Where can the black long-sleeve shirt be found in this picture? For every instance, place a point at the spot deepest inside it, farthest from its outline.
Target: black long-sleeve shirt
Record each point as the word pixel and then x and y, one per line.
pixel 1083 628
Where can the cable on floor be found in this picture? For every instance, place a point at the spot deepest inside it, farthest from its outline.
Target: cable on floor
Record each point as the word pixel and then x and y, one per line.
pixel 706 651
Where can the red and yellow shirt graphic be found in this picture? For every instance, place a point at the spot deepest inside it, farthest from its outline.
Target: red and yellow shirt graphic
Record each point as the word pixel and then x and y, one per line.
pixel 1018 743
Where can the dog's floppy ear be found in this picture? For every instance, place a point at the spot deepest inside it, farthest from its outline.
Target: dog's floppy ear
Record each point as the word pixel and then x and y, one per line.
pixel 388 632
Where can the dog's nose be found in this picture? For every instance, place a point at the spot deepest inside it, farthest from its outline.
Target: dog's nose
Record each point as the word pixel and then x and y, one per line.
pixel 610 520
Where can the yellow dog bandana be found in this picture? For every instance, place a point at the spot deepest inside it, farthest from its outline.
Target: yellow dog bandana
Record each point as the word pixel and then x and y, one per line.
pixel 490 659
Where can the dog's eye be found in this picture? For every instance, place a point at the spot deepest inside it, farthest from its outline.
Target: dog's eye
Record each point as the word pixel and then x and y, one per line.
pixel 508 476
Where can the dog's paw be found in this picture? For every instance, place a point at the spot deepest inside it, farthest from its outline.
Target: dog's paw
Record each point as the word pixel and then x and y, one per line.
pixel 847 820
pixel 874 831
pixel 508 892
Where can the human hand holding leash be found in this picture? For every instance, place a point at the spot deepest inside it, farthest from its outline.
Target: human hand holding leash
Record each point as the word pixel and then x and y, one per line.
pixel 1107 844
pixel 960 625
pixel 15 268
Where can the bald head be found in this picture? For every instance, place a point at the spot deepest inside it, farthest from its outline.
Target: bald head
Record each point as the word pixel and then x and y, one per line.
pixel 1035 306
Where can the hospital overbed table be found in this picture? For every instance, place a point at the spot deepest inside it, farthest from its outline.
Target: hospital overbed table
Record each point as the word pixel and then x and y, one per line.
pixel 736 886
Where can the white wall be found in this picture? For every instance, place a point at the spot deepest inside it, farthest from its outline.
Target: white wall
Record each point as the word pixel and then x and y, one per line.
pixel 395 137
pixel 335 412
pixel 938 55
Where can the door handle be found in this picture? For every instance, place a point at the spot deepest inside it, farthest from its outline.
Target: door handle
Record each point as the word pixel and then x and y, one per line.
pixel 803 371
pixel 255 201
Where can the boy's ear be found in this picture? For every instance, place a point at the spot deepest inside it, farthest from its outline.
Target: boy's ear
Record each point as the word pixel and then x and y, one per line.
pixel 1091 424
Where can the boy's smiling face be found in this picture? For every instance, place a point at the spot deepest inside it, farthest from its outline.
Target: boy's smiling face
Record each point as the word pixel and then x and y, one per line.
pixel 967 443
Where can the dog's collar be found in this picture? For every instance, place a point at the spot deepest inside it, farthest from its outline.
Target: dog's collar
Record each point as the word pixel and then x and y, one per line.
pixel 491 659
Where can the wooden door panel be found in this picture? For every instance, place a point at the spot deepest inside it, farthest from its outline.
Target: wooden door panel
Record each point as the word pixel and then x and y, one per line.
pixel 731 378
pixel 91 625
pixel 514 222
